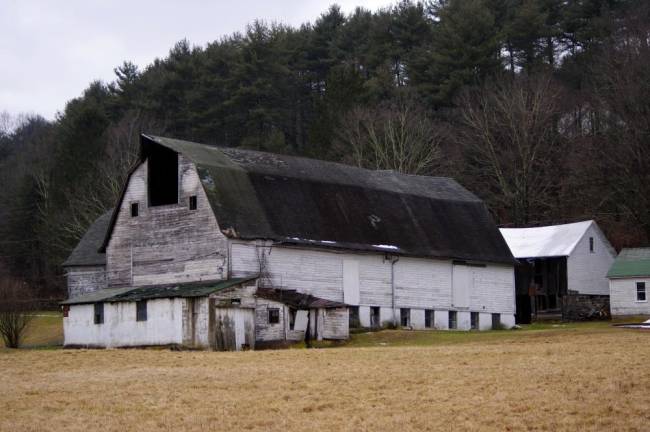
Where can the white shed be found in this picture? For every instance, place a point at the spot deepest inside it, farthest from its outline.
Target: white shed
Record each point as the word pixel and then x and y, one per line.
pixel 629 281
pixel 562 269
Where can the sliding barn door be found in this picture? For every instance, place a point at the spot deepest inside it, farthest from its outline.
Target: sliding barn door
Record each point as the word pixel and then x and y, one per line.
pixel 462 284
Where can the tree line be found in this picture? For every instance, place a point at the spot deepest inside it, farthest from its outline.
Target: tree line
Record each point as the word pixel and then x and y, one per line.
pixel 540 107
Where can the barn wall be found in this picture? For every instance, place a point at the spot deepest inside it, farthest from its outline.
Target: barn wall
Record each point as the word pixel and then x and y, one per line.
pixel 622 299
pixel 586 271
pixel 120 328
pixel 419 283
pixel 165 244
pixel 82 280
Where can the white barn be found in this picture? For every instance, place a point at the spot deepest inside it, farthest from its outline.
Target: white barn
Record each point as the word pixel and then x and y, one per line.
pixel 629 282
pixel 227 248
pixel 562 269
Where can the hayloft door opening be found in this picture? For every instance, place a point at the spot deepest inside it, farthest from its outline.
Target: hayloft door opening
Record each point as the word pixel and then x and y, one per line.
pixel 162 178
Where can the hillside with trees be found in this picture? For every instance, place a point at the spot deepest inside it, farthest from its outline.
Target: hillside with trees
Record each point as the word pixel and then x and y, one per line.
pixel 540 107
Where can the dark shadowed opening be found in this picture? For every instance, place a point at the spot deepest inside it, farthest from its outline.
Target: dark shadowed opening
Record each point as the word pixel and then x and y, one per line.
pixel 163 176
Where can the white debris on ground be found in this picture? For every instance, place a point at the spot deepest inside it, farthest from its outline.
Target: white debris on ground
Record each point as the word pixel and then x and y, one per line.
pixel 381 246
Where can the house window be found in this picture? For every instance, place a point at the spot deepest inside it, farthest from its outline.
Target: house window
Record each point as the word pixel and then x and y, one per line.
pixel 374 317
pixel 354 317
pixel 591 244
pixel 274 316
pixel 405 317
pixel 193 202
pixel 496 321
pixel 135 209
pixel 428 318
pixel 141 310
pixel 66 311
pixel 99 313
pixel 474 320
pixel 453 320
pixel 640 292
pixel 162 177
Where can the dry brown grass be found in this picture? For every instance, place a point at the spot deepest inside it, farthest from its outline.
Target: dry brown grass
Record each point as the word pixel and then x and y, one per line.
pixel 578 380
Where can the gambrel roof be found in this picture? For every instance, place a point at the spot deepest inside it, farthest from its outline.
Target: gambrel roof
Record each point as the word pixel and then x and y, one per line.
pixel 300 201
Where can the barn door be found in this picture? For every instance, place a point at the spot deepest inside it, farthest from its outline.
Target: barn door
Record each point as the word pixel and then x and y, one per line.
pixel 462 284
pixel 234 329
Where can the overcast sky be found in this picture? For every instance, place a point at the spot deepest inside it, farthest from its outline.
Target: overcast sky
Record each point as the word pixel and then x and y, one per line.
pixel 50 50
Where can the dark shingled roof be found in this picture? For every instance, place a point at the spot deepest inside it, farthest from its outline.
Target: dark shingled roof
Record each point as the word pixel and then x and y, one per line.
pixel 297 300
pixel 129 294
pixel 295 200
pixel 86 253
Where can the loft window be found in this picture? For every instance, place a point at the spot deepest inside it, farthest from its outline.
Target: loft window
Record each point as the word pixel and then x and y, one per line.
pixel 474 321
pixel 453 320
pixel 428 318
pixel 496 321
pixel 193 202
pixel 374 317
pixel 163 176
pixel 405 317
pixel 274 316
pixel 99 313
pixel 591 244
pixel 354 317
pixel 640 292
pixel 135 210
pixel 141 310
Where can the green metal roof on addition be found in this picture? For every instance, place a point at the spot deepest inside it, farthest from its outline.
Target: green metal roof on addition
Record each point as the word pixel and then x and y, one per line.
pixel 630 263
pixel 195 289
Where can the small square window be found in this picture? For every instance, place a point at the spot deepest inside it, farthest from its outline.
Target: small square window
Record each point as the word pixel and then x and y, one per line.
pixel 453 320
pixel 474 320
pixel 135 209
pixel 141 310
pixel 274 316
pixel 99 313
pixel 405 317
pixel 428 318
pixel 640 292
pixel 193 202
pixel 591 244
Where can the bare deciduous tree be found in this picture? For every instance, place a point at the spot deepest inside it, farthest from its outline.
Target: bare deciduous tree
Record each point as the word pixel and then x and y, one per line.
pixel 397 136
pixel 512 144
pixel 16 311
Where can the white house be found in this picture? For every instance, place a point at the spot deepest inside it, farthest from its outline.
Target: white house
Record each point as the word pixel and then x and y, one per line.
pixel 562 269
pixel 629 282
pixel 228 248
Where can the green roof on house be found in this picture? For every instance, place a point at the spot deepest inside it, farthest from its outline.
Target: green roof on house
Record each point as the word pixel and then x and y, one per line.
pixel 631 263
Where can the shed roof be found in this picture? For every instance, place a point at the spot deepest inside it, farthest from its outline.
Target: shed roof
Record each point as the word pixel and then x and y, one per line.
pixel 87 253
pixel 297 300
pixel 295 200
pixel 545 241
pixel 128 294
pixel 630 263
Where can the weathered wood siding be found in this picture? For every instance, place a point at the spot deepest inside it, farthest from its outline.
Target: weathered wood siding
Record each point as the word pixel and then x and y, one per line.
pixel 622 300
pixel 120 328
pixel 335 323
pixel 419 283
pixel 166 244
pixel 586 270
pixel 82 280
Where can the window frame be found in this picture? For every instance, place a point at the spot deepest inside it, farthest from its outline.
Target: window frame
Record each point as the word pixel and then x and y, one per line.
pixel 98 313
pixel 592 245
pixel 429 315
pixel 141 315
pixel 644 290
pixel 452 323
pixel 135 209
pixel 273 315
pixel 193 202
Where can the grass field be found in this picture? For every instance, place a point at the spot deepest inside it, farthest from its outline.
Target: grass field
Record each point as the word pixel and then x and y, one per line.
pixel 563 377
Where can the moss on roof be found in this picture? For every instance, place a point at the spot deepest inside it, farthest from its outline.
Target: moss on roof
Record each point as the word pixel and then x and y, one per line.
pixel 630 263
